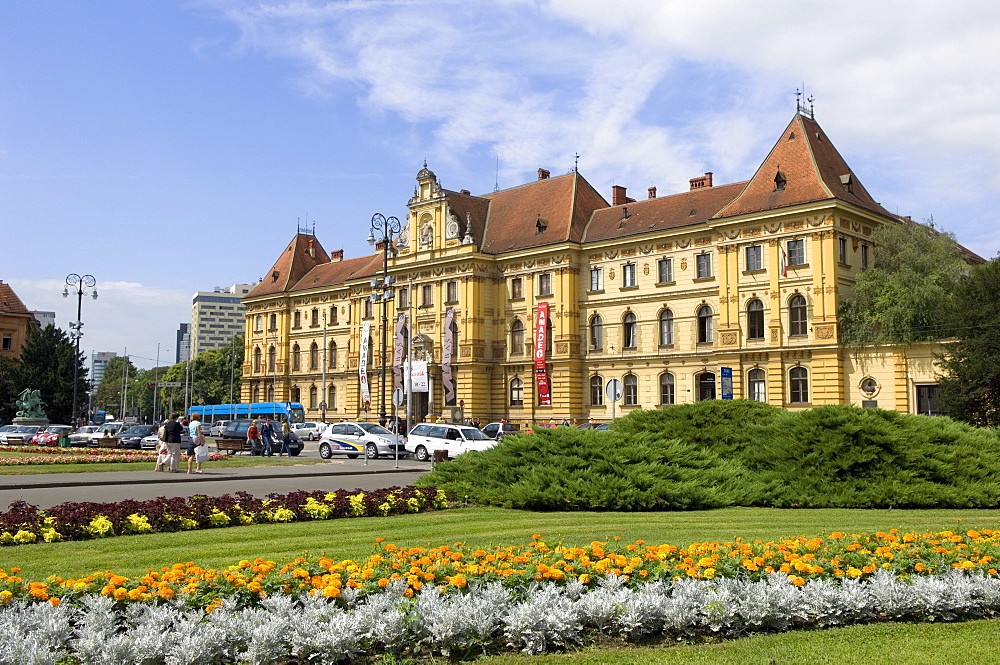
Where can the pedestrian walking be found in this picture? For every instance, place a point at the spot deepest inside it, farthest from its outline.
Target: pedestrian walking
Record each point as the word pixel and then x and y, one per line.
pixel 267 434
pixel 162 452
pixel 172 431
pixel 197 441
pixel 253 438
pixel 286 435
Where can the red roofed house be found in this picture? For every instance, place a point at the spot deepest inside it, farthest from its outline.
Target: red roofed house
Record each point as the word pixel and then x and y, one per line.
pixel 719 290
pixel 16 321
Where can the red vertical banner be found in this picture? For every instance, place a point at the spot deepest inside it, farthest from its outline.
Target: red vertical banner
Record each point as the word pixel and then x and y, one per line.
pixel 541 341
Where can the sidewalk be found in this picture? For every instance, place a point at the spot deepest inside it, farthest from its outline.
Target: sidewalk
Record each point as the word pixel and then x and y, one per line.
pixel 150 477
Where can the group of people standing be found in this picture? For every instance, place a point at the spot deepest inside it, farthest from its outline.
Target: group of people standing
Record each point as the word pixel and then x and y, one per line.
pixel 168 452
pixel 262 438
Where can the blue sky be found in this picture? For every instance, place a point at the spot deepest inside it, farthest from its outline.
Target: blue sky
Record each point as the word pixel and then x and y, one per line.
pixel 170 147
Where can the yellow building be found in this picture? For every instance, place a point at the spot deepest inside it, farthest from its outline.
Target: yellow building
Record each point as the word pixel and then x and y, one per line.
pixel 721 289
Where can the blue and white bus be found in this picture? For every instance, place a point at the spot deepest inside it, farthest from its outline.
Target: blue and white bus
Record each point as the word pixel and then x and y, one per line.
pixel 293 412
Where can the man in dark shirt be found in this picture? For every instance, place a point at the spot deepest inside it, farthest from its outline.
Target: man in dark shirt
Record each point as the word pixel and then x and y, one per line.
pixel 172 431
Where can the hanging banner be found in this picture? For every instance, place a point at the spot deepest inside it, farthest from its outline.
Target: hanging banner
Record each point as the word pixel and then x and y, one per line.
pixel 366 395
pixel 417 371
pixel 541 341
pixel 399 351
pixel 447 349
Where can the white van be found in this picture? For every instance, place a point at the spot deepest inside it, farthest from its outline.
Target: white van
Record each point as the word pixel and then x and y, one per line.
pixel 425 438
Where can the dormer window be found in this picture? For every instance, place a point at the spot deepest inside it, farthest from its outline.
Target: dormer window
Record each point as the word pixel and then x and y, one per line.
pixel 541 224
pixel 848 182
pixel 779 181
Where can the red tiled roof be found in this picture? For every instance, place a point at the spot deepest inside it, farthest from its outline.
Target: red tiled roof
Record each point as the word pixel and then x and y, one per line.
pixel 9 302
pixel 563 204
pixel 331 274
pixel 694 207
pixel 813 171
pixel 303 253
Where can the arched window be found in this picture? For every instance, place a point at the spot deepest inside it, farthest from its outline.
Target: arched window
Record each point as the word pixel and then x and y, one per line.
pixel 272 357
pixel 706 386
pixel 705 325
pixel 549 334
pixel 331 355
pixel 331 398
pixel 454 339
pixel 798 383
pixel 313 355
pixel 666 327
pixel 371 351
pixel 755 319
pixel 596 391
pixel 256 394
pixel 756 390
pixel 256 360
pixel 516 338
pixel 295 360
pixel 629 337
pixel 666 388
pixel 270 393
pixel 596 333
pixel 797 316
pixel 516 392
pixel 296 394
pixel 312 397
pixel 631 386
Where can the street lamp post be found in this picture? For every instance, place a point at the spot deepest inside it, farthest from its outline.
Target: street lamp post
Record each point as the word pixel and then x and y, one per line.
pixel 80 286
pixel 387 228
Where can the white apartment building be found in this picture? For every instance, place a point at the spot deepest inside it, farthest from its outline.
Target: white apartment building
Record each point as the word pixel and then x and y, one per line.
pixel 216 317
pixel 98 363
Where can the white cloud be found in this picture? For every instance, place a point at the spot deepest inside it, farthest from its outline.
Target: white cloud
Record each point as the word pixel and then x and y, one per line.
pixel 656 91
pixel 125 314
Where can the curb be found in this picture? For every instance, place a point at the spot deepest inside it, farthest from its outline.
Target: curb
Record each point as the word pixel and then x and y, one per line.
pixel 192 478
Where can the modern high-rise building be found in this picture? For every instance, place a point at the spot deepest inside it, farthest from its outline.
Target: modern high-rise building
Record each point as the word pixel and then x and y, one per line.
pixel 98 363
pixel 183 345
pixel 216 317
pixel 45 318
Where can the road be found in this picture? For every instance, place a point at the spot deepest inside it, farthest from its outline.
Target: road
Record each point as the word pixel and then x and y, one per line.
pixel 48 490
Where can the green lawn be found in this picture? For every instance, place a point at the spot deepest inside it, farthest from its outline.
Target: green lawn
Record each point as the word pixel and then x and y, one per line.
pixel 354 538
pixel 146 465
pixel 972 642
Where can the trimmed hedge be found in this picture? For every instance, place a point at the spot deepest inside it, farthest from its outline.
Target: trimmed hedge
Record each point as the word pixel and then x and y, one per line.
pixel 722 453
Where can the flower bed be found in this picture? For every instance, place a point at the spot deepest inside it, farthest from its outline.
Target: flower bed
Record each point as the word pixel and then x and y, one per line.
pixel 24 524
pixel 459 601
pixel 84 456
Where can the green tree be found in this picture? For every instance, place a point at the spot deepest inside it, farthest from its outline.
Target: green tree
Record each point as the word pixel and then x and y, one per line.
pixel 109 393
pixel 48 362
pixel 970 387
pixel 8 394
pixel 905 296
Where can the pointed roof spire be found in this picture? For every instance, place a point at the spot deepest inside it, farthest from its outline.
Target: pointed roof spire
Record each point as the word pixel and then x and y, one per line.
pixel 802 167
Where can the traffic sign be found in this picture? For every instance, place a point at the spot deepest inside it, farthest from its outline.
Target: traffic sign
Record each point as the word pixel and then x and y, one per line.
pixel 397 397
pixel 613 389
pixel 170 384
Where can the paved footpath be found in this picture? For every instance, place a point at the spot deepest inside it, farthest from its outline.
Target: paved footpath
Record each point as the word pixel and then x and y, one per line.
pixel 47 490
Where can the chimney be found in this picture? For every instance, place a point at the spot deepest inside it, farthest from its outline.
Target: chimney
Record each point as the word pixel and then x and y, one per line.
pixel 543 174
pixel 465 191
pixel 702 181
pixel 652 192
pixel 336 256
pixel 617 195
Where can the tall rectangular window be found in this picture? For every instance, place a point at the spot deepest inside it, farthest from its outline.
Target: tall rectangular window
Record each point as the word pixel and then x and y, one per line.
pixel 755 257
pixel 704 269
pixel 404 298
pixel 864 257
pixel 628 275
pixel 452 291
pixel 368 308
pixel 516 292
pixel 545 284
pixel 796 252
pixel 842 250
pixel 8 341
pixel 426 300
pixel 596 279
pixel 665 270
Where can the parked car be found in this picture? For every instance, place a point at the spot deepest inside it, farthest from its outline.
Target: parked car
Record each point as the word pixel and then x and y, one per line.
pixel 19 436
pixel 8 428
pixel 49 436
pixel 500 430
pixel 354 438
pixel 237 429
pixel 217 428
pixel 82 435
pixel 308 431
pixel 132 437
pixel 149 442
pixel 425 438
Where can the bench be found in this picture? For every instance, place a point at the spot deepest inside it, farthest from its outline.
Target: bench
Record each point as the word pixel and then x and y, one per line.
pixel 227 445
pixel 106 442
